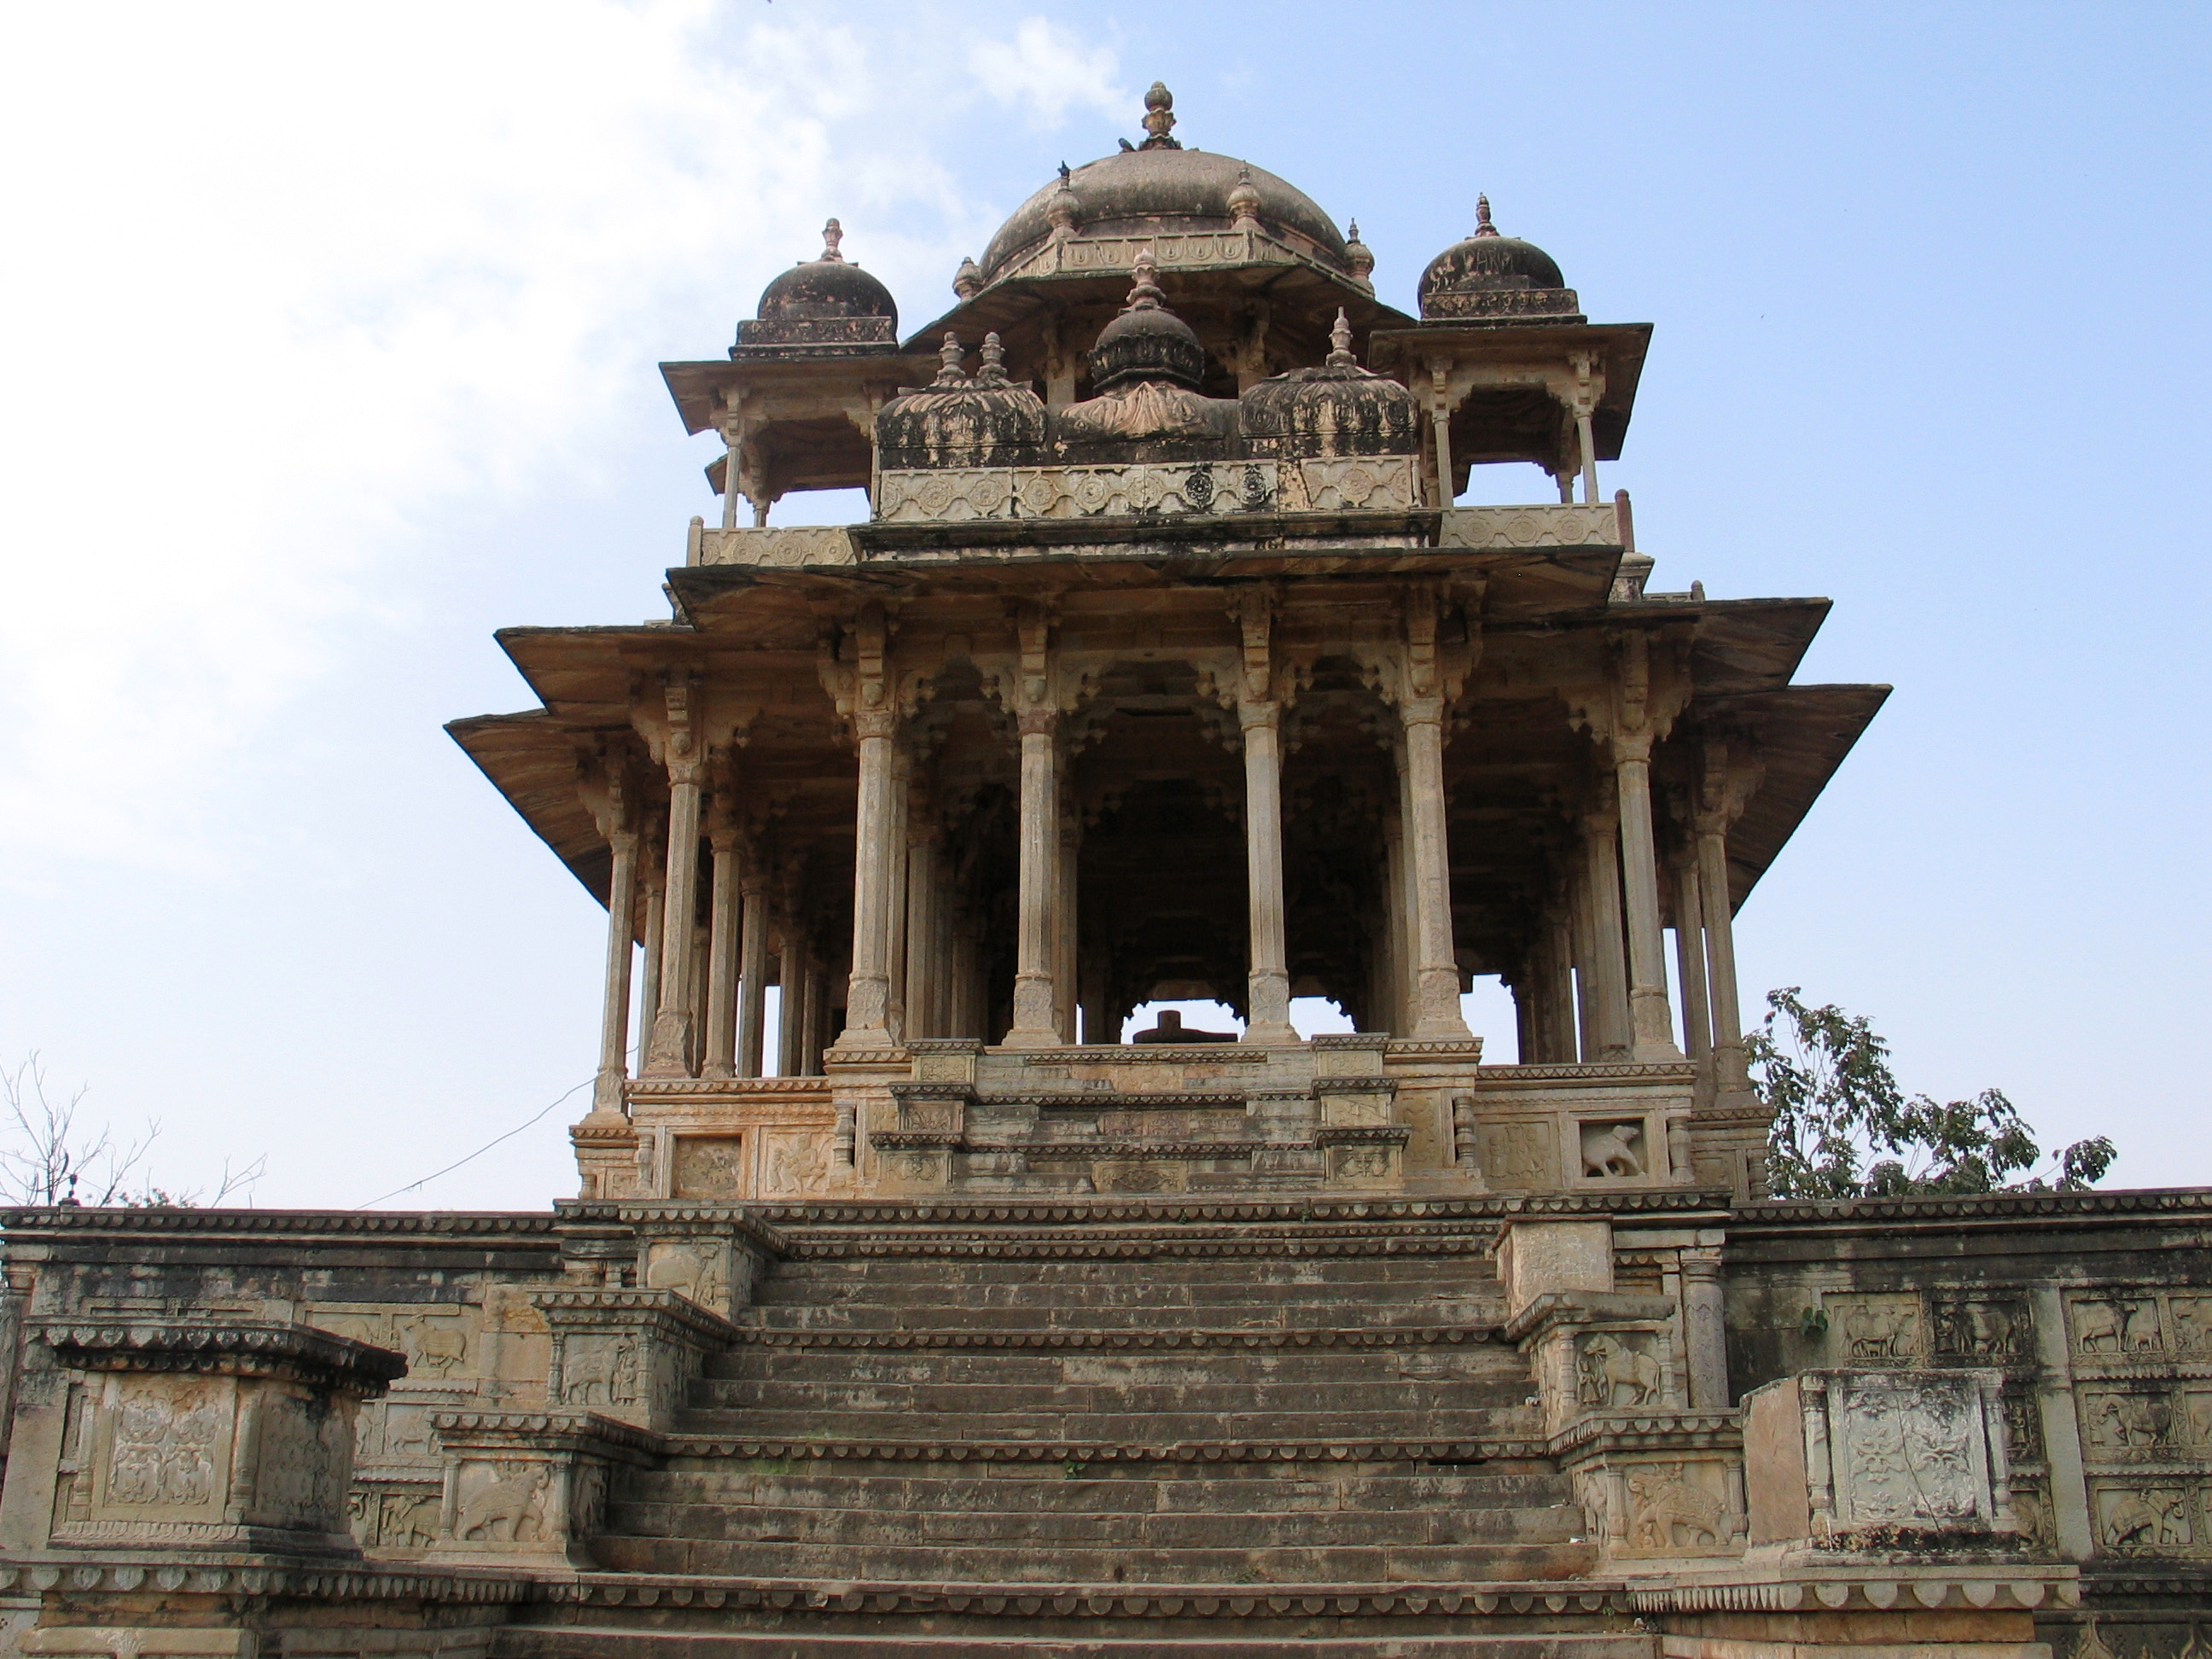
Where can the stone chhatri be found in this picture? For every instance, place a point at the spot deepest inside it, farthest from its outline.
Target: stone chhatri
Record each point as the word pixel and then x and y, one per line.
pixel 926 1313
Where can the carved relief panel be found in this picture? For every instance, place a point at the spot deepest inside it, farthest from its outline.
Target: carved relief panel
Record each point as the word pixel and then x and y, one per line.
pixel 161 1449
pixel 695 1269
pixel 709 1167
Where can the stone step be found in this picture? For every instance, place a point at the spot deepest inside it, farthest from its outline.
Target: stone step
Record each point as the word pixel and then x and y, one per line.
pixel 1017 1563
pixel 1010 1314
pixel 1103 1529
pixel 1100 1489
pixel 1046 1277
pixel 1139 1428
pixel 1457 1367
pixel 932 1383
pixel 626 1641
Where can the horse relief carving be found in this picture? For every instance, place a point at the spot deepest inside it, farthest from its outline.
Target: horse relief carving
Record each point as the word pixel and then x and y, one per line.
pixel 2121 1421
pixel 505 1509
pixel 1613 1376
pixel 1667 1513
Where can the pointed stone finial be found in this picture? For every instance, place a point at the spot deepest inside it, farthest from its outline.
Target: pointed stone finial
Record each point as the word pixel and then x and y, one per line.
pixel 1482 225
pixel 832 234
pixel 1244 201
pixel 1062 206
pixel 949 355
pixel 1145 294
pixel 1340 343
pixel 994 372
pixel 1159 118
pixel 968 281
pixel 1359 256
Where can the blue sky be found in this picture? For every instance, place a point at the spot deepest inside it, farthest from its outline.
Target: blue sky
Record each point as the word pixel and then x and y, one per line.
pixel 332 344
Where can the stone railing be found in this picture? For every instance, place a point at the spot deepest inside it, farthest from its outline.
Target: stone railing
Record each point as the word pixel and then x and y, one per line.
pixel 1207 490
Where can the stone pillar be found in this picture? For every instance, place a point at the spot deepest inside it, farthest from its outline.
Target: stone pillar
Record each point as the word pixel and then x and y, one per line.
pixel 1436 969
pixel 670 1051
pixel 1035 1003
pixel 792 973
pixel 614 1006
pixel 1066 932
pixel 1690 957
pixel 1440 421
pixel 1392 1003
pixel 653 876
pixel 1609 963
pixel 895 884
pixel 1590 387
pixel 1731 1066
pixel 752 967
pixel 1268 983
pixel 1590 1024
pixel 1651 1022
pixel 875 724
pixel 1705 1330
pixel 724 921
pixel 922 925
pixel 1559 985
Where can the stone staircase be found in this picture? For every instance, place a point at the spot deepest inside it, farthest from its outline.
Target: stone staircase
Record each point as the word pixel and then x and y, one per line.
pixel 983 1442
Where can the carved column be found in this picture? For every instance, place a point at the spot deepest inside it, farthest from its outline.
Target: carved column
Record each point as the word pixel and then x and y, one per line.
pixel 875 725
pixel 1588 387
pixel 1589 1022
pixel 752 964
pixel 1559 985
pixel 1719 800
pixel 1690 957
pixel 896 920
pixel 1609 963
pixel 1440 420
pixel 1259 717
pixel 724 921
pixel 1705 1330
pixel 1421 707
pixel 1393 1005
pixel 1036 714
pixel 652 875
pixel 1066 931
pixel 671 1053
pixel 622 925
pixel 922 922
pixel 1651 1022
pixel 794 971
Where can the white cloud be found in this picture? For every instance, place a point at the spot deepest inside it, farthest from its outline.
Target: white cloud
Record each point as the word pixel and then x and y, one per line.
pixel 1050 72
pixel 288 283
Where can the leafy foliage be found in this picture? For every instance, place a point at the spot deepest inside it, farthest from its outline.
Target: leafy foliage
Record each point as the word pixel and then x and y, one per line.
pixel 1837 1111
pixel 48 1156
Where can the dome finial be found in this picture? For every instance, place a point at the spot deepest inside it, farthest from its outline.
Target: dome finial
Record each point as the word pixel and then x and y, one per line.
pixel 832 234
pixel 1145 294
pixel 1482 225
pixel 1340 343
pixel 949 355
pixel 1159 117
pixel 968 281
pixel 994 372
pixel 1244 201
pixel 1360 258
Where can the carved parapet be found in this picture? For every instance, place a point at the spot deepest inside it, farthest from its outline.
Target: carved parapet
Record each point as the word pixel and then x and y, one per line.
pixel 1506 529
pixel 529 1489
pixel 1885 1459
pixel 1187 489
pixel 199 1435
pixel 630 1354
pixel 1599 1353
pixel 788 548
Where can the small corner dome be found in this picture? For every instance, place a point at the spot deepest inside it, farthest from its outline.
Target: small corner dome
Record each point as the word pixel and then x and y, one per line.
pixel 827 289
pixel 1160 186
pixel 1487 263
pixel 1146 340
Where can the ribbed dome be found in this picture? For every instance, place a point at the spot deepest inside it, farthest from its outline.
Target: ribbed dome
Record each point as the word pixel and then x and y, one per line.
pixel 1146 341
pixel 1163 186
pixel 1337 409
pixel 1493 275
pixel 957 422
pixel 828 301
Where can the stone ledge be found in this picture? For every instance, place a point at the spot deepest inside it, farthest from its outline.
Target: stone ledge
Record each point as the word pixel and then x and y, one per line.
pixel 1103 1451
pixel 1995 1206
pixel 301 1353
pixel 1900 1587
pixel 350 1224
pixel 1125 1250
pixel 256 1577
pixel 1064 1212
pixel 1099 1601
pixel 664 1310
pixel 1366 1337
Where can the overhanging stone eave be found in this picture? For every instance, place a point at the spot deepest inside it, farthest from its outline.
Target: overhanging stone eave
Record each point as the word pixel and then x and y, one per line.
pixel 697 387
pixel 531 759
pixel 1624 346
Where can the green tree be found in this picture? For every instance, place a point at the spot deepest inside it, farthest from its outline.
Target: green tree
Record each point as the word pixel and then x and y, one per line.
pixel 1842 1128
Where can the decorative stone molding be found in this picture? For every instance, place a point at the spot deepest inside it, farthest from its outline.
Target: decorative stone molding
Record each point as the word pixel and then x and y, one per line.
pixel 529 1489
pixel 628 1354
pixel 354 1583
pixel 1199 489
pixel 205 1435
pixel 1497 529
pixel 1833 1453
pixel 2026 1587
pixel 790 548
pixel 1104 1451
pixel 347 1223
pixel 1417 1336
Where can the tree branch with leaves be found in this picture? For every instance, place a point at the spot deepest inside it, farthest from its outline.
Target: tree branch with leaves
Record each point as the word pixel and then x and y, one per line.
pixel 1843 1127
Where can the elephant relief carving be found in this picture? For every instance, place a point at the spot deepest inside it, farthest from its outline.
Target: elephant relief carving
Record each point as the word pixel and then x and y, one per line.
pixel 508 1509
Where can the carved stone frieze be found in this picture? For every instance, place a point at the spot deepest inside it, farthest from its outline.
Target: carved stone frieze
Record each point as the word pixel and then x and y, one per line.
pixel 782 548
pixel 1506 529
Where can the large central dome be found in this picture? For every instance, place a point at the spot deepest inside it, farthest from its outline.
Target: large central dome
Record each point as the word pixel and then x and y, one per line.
pixel 1163 188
